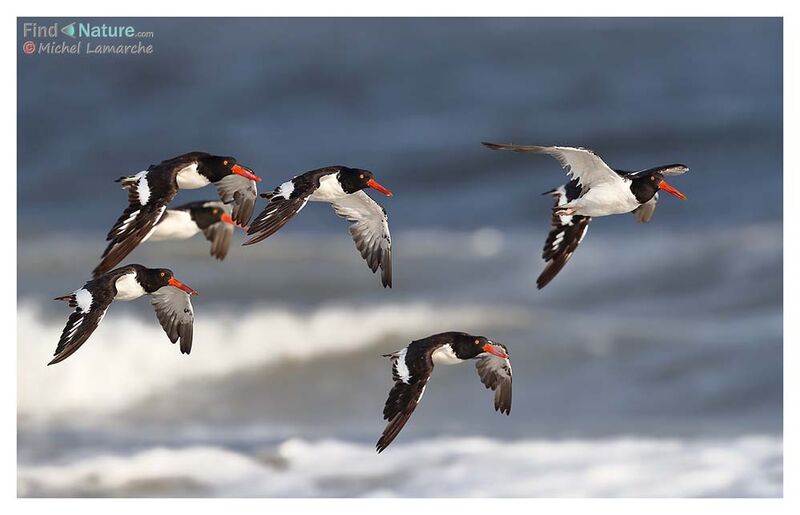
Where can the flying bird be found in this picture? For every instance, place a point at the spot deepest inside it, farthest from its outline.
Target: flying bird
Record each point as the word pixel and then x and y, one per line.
pixel 413 365
pixel 150 191
pixel 169 297
pixel 342 188
pixel 595 189
pixel 212 218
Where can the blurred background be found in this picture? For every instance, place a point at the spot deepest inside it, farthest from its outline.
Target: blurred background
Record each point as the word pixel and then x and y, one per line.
pixel 651 366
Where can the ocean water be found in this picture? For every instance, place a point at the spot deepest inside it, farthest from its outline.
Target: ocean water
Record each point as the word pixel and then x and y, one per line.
pixel 651 366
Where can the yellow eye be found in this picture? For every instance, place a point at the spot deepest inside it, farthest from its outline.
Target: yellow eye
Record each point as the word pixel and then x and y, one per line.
pixel 163 274
pixel 361 176
pixel 477 342
pixel 225 162
pixel 216 211
pixel 652 178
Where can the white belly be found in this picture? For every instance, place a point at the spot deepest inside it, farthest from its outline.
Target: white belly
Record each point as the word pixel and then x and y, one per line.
pixel 444 355
pixel 329 189
pixel 605 200
pixel 190 179
pixel 128 288
pixel 176 225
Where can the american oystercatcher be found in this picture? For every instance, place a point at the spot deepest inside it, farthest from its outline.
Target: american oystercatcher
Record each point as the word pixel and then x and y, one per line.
pixel 342 187
pixel 169 297
pixel 212 218
pixel 412 367
pixel 595 190
pixel 150 191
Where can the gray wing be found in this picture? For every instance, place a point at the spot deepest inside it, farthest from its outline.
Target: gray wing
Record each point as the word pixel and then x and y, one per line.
pixel 495 373
pixel 219 234
pixel 240 191
pixel 369 227
pixel 645 212
pixel 580 163
pixel 175 314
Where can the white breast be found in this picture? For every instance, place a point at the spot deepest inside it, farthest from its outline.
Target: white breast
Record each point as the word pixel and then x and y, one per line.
pixel 189 178
pixel 329 189
pixel 176 225
pixel 128 288
pixel 607 199
pixel 444 355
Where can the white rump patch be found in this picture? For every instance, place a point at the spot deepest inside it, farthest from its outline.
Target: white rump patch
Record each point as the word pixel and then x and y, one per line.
pixel 83 298
pixel 285 190
pixel 142 187
pixel 401 367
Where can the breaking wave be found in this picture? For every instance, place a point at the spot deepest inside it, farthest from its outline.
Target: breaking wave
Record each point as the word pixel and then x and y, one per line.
pixel 749 466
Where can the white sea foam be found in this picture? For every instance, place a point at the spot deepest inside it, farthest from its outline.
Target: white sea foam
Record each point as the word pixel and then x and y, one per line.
pixel 128 358
pixel 445 467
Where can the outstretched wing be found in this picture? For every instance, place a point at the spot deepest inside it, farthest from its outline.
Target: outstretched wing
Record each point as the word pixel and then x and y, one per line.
pixel 580 163
pixel 219 234
pixel 175 314
pixel 566 233
pixel 495 373
pixel 369 227
pixel 240 191
pixel 645 212
pixel 409 386
pixel 137 221
pixel 89 311
pixel 280 209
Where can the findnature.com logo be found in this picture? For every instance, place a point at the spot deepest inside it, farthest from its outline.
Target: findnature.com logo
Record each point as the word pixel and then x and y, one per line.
pixel 83 30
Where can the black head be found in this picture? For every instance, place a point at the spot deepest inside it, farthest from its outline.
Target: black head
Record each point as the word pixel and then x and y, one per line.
pixel 207 213
pixel 645 184
pixel 467 346
pixel 217 168
pixel 356 179
pixel 153 279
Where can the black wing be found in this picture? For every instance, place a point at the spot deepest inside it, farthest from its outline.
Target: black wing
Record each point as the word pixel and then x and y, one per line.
pixel 369 227
pixel 495 373
pixel 409 386
pixel 90 306
pixel 566 233
pixel 145 209
pixel 175 314
pixel 240 191
pixel 279 210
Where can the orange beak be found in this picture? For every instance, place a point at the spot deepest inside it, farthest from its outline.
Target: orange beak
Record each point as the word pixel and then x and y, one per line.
pixel 245 172
pixel 227 219
pixel 669 189
pixel 372 183
pixel 497 351
pixel 176 283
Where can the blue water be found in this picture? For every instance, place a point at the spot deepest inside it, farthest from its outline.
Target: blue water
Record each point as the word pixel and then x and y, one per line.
pixel 669 330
